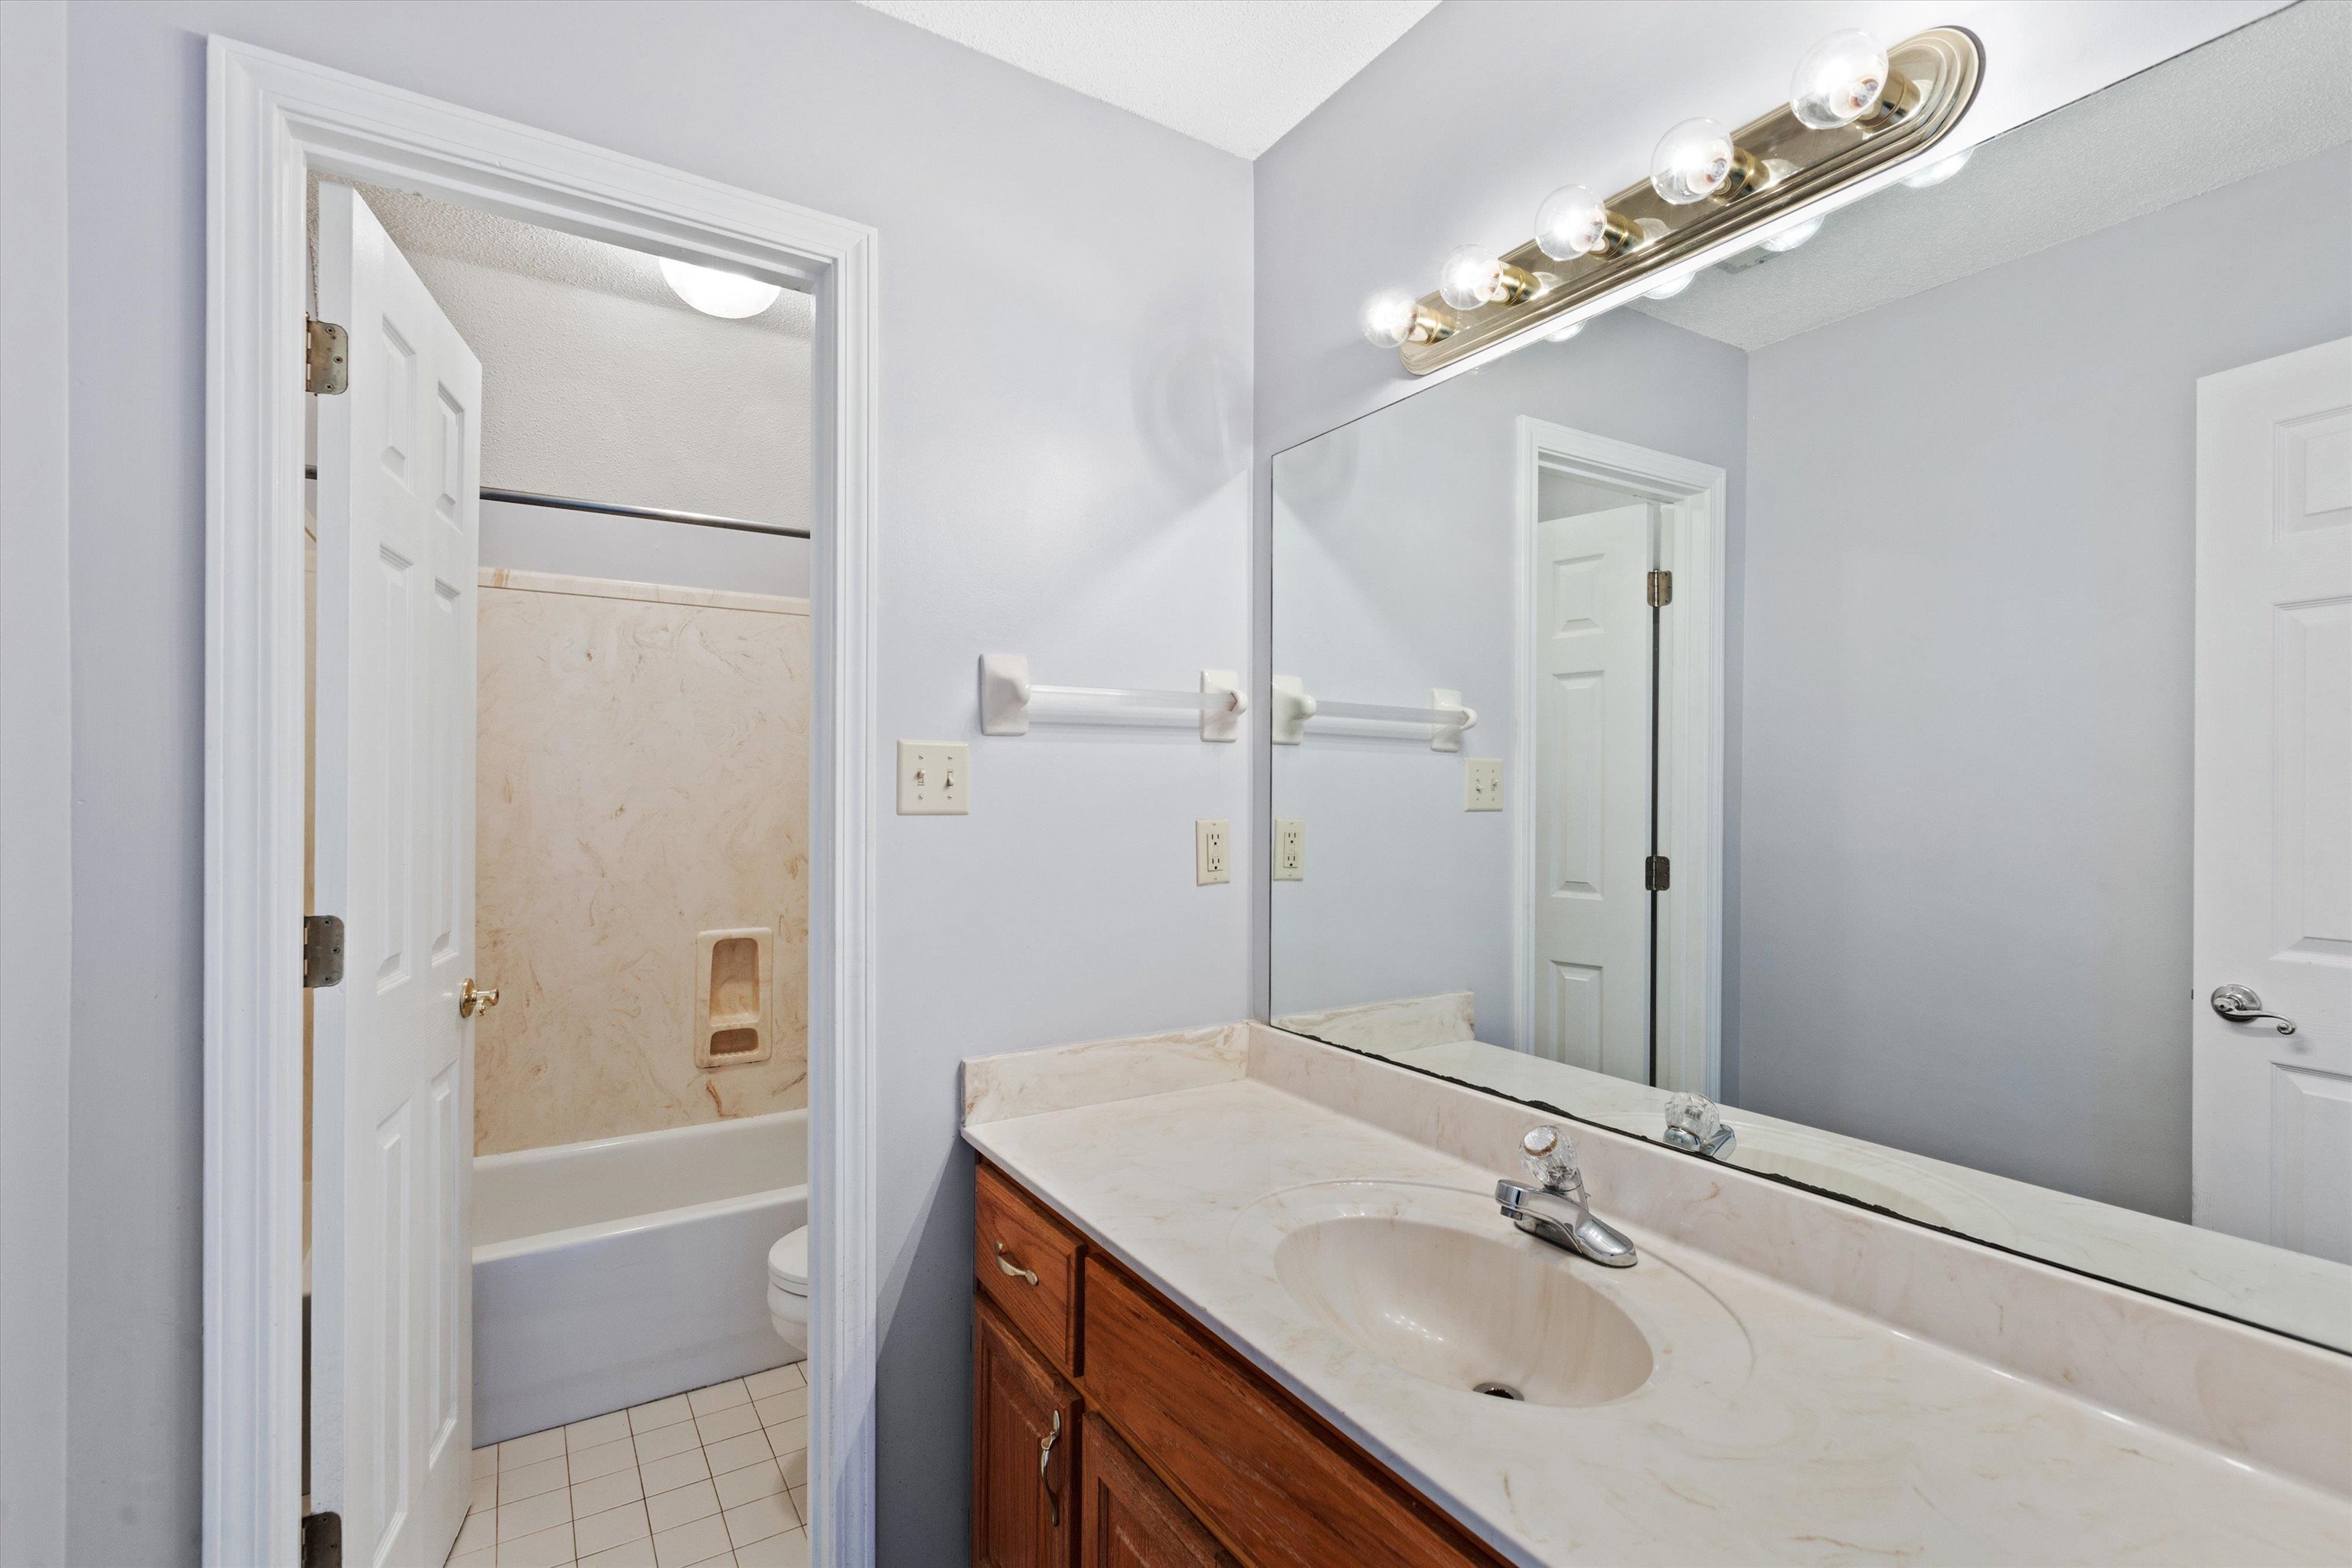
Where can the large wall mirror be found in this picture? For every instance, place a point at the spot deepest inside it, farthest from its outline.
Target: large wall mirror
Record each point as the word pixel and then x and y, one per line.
pixel 1998 715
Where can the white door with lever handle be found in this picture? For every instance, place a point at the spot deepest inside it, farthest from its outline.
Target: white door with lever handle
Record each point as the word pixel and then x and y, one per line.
pixel 2271 949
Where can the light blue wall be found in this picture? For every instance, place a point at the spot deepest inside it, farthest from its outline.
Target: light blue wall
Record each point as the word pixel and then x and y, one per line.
pixel 1065 428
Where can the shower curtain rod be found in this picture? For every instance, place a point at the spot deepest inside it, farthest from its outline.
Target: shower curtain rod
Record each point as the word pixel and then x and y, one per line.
pixel 615 509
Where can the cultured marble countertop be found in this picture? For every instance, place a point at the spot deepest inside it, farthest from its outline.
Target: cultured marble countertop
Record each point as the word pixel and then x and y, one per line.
pixel 1836 1438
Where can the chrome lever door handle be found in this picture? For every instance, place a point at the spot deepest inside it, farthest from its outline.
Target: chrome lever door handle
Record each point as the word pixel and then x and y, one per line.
pixel 2240 1005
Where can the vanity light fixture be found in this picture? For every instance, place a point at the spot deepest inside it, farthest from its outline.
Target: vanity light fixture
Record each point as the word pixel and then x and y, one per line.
pixel 1697 161
pixel 1473 276
pixel 729 296
pixel 1791 238
pixel 1854 110
pixel 1393 318
pixel 1574 221
pixel 1846 79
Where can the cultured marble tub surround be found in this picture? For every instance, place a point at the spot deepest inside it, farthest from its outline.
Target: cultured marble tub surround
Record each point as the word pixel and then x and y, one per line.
pixel 1869 1390
pixel 643 780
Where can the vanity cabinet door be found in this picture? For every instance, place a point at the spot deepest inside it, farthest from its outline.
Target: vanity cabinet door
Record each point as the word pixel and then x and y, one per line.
pixel 1130 1520
pixel 1025 1453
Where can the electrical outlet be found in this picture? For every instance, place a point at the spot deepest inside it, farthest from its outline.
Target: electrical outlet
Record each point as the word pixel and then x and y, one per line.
pixel 1290 849
pixel 934 778
pixel 1212 837
pixel 1482 784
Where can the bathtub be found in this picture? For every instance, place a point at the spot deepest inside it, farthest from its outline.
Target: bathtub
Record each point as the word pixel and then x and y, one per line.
pixel 611 1273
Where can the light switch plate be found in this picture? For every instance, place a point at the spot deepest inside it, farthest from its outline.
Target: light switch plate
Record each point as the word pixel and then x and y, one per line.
pixel 1290 849
pixel 1212 850
pixel 1482 784
pixel 934 778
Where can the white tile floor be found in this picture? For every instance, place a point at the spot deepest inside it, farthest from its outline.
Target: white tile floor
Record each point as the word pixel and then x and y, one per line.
pixel 717 1477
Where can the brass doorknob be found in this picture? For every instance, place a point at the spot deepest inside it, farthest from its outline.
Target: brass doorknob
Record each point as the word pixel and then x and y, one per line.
pixel 472 999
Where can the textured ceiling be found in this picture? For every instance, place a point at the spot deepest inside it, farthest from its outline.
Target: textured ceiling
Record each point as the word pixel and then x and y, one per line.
pixel 420 225
pixel 2268 94
pixel 1234 73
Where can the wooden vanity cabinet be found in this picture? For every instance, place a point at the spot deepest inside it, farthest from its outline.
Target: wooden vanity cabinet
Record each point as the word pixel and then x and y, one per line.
pixel 1025 1459
pixel 1128 1518
pixel 1170 1451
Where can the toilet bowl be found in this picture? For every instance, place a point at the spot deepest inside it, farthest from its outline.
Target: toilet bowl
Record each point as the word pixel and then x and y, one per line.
pixel 788 1291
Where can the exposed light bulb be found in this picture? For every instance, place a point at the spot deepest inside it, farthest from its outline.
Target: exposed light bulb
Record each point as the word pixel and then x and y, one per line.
pixel 1668 290
pixel 1389 318
pixel 1697 160
pixel 1937 172
pixel 728 295
pixel 1564 333
pixel 1841 80
pixel 1574 221
pixel 1472 276
pixel 1790 239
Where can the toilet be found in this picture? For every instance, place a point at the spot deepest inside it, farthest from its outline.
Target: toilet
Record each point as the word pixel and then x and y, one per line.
pixel 788 1291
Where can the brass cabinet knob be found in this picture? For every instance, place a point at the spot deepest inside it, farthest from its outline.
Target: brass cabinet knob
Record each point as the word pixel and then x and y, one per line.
pixel 472 999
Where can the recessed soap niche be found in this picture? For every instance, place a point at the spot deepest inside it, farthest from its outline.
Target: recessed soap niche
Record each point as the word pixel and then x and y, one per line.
pixel 734 1021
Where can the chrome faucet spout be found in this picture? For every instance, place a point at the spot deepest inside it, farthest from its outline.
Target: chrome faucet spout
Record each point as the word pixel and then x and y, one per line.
pixel 1557 1210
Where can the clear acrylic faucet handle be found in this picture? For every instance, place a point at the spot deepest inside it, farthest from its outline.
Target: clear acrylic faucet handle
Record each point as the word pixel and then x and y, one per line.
pixel 1550 1158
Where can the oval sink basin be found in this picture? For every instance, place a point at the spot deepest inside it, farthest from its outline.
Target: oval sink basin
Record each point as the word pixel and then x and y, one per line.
pixel 1487 1312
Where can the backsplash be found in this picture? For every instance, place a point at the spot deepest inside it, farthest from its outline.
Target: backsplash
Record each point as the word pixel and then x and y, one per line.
pixel 642 806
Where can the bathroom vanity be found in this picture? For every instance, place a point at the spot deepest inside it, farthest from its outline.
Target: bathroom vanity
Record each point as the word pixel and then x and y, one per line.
pixel 1250 1285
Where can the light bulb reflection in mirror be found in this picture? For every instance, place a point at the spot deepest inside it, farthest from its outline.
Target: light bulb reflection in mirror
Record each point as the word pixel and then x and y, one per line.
pixel 1561 335
pixel 1840 81
pixel 1668 290
pixel 1790 239
pixel 1937 172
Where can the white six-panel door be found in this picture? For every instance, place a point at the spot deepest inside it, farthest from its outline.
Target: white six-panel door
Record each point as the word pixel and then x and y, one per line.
pixel 399 479
pixel 2272 1112
pixel 1592 791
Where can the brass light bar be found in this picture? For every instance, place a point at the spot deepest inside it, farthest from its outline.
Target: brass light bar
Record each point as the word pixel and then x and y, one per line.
pixel 1932 81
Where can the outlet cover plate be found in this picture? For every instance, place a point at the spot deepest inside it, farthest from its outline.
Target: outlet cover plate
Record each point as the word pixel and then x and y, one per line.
pixel 1212 843
pixel 1482 784
pixel 934 778
pixel 1290 849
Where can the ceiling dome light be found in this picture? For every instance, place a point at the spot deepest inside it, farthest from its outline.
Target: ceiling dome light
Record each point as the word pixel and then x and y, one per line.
pixel 1668 290
pixel 1790 239
pixel 1473 276
pixel 1841 80
pixel 1696 161
pixel 1393 318
pixel 728 295
pixel 1574 222
pixel 1942 169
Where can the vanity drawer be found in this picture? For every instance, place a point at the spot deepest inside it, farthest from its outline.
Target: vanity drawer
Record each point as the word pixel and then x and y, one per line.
pixel 1260 1469
pixel 1026 1262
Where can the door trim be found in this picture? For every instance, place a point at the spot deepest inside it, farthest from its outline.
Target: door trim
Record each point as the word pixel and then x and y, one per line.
pixel 1691 498
pixel 271 121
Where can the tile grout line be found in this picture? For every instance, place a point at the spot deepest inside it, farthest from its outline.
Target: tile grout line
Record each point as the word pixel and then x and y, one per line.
pixel 699 1531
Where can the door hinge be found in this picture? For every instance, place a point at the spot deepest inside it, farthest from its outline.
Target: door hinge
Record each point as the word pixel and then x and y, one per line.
pixel 322 951
pixel 322 1541
pixel 1657 874
pixel 1661 589
pixel 326 358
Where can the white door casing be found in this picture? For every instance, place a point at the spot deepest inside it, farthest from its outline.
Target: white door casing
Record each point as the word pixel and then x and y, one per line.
pixel 399 483
pixel 2272 1114
pixel 1592 802
pixel 1688 499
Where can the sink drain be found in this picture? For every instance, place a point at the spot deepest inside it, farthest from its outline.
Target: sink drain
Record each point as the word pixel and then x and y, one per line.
pixel 1499 1390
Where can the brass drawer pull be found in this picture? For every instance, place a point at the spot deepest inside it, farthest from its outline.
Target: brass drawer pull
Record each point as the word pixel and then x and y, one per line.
pixel 1009 1266
pixel 1046 1455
